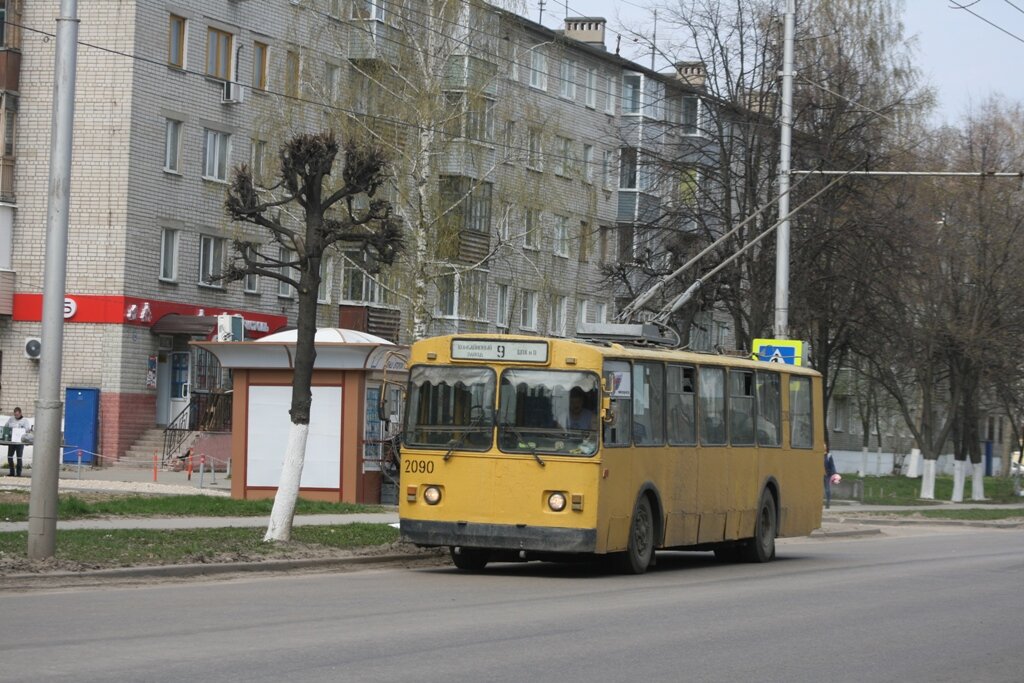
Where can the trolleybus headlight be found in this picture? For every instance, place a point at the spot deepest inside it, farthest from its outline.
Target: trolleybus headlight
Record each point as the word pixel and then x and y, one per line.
pixel 556 501
pixel 432 495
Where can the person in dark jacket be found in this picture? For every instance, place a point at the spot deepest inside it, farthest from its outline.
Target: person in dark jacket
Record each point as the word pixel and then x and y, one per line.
pixel 830 471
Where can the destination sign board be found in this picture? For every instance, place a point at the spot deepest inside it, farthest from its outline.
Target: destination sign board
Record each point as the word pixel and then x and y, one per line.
pixel 500 350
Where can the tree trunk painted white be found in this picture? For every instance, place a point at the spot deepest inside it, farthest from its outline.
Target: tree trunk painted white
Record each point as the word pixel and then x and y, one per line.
pixel 928 481
pixel 958 481
pixel 978 481
pixel 914 468
pixel 863 462
pixel 280 527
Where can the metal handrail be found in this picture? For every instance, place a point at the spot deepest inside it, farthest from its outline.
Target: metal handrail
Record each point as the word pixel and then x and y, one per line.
pixel 204 413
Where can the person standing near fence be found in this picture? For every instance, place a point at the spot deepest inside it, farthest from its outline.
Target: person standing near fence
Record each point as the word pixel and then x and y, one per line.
pixel 830 473
pixel 15 449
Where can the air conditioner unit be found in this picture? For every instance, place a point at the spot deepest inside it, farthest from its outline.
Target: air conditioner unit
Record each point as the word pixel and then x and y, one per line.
pixel 33 347
pixel 233 93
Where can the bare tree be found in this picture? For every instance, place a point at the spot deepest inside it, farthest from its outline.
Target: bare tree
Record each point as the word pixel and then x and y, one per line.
pixel 303 217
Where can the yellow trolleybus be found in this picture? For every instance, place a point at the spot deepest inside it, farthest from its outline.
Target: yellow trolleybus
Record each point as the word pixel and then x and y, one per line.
pixel 520 448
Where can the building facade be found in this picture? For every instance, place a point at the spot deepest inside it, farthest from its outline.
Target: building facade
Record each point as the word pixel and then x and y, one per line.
pixel 533 139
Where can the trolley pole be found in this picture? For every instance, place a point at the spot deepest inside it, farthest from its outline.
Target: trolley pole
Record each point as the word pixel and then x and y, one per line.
pixel 42 511
pixel 785 147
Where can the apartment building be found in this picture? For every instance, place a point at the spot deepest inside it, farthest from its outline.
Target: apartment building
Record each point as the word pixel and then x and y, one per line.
pixel 534 139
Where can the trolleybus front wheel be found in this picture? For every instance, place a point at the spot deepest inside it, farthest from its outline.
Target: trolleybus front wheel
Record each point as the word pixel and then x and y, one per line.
pixel 640 550
pixel 469 559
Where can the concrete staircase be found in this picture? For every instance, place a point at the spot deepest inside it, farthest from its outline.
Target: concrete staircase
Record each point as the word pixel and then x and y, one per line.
pixel 152 440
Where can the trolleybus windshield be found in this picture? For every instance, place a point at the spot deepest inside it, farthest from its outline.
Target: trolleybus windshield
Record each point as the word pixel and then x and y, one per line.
pixel 548 411
pixel 450 408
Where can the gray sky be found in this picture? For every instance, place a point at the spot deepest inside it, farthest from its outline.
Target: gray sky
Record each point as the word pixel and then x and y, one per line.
pixel 959 53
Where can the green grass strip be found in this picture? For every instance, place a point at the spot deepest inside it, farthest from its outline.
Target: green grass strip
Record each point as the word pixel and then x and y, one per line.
pixel 972 514
pixel 129 547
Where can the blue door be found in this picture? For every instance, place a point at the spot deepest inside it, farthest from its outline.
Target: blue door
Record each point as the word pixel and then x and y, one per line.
pixel 81 423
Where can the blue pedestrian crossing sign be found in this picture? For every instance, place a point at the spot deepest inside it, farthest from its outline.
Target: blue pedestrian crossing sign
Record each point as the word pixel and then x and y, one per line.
pixel 787 351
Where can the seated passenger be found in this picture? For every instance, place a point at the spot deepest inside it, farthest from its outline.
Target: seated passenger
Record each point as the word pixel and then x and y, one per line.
pixel 580 417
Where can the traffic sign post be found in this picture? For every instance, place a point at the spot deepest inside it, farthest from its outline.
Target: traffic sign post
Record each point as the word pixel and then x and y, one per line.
pixel 788 351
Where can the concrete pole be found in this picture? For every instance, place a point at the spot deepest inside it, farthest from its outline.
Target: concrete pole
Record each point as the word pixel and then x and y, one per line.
pixel 785 146
pixel 42 506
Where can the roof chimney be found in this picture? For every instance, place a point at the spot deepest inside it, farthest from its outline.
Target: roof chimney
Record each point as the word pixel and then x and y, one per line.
pixel 589 30
pixel 692 73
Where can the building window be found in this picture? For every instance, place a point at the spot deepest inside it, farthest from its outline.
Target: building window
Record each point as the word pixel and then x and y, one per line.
pixel 285 257
pixel 558 310
pixel 561 236
pixel 581 313
pixel 172 145
pixel 591 96
pixel 470 116
pixel 609 101
pixel 215 155
pixel 211 260
pixel 251 281
pixel 538 69
pixel 601 313
pixel 602 244
pixel 584 241
pixel 257 157
pixel 562 155
pixel 331 81
pixel 291 74
pixel 690 115
pixel 176 42
pixel 532 238
pixel 502 306
pixel 588 163
pixel 356 284
pixel 509 141
pixel 567 87
pixel 466 203
pixel 369 9
pixel 627 168
pixel 608 169
pixel 631 84
pixel 463 295
pixel 535 151
pixel 169 255
pixel 528 312
pixel 259 65
pixel 218 53
pixel 323 294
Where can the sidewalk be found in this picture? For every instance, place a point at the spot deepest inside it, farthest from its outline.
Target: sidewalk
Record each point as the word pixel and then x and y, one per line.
pixel 129 479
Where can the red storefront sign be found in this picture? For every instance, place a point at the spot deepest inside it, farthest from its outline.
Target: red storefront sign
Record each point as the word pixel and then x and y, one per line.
pixel 127 310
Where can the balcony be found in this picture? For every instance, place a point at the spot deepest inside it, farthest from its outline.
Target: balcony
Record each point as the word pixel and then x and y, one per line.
pixel 10 69
pixel 7 179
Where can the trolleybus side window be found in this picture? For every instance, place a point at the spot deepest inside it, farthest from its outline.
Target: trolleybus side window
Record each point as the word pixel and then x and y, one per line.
pixel 619 382
pixel 450 407
pixel 741 407
pixel 711 403
pixel 648 404
pixel 801 419
pixel 681 406
pixel 769 408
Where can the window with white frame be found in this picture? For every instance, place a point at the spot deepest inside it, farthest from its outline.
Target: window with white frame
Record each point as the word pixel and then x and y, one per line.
pixel 538 69
pixel 563 153
pixel 690 115
pixel 172 145
pixel 591 97
pixel 631 93
pixel 219 53
pixel 502 306
pixel 627 168
pixel 331 81
pixel 323 293
pixel 509 141
pixel 211 260
pixel 463 295
pixel 292 71
pixel 505 221
pixel 567 86
pixel 169 254
pixel 369 9
pixel 581 313
pixel 177 41
pixel 611 87
pixel 535 151
pixel 561 236
pixel 588 163
pixel 608 169
pixel 251 281
pixel 356 284
pixel 528 311
pixel 600 313
pixel 559 306
pixel 285 257
pixel 466 203
pixel 533 229
pixel 469 116
pixel 260 52
pixel 257 157
pixel 216 153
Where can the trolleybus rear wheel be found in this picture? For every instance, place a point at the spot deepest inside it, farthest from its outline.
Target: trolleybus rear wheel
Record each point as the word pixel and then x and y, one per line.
pixel 469 559
pixel 640 550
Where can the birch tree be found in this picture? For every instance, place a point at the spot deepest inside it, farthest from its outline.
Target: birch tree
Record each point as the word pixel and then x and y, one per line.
pixel 309 211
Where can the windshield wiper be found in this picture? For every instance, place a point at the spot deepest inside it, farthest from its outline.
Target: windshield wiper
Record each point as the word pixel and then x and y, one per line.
pixel 456 443
pixel 521 439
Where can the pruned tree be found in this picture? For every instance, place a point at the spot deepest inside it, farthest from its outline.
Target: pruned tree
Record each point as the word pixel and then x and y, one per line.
pixel 308 212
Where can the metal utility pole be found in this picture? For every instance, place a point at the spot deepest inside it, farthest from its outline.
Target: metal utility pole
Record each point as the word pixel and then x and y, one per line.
pixel 42 506
pixel 785 146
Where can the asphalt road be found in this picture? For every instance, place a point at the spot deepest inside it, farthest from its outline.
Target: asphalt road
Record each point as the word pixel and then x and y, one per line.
pixel 913 604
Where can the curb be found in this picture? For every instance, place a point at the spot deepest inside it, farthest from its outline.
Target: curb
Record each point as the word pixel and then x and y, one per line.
pixel 184 571
pixel 883 521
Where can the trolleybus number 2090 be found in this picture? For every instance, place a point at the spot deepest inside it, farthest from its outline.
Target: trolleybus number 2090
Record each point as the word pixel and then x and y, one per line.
pixel 419 466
